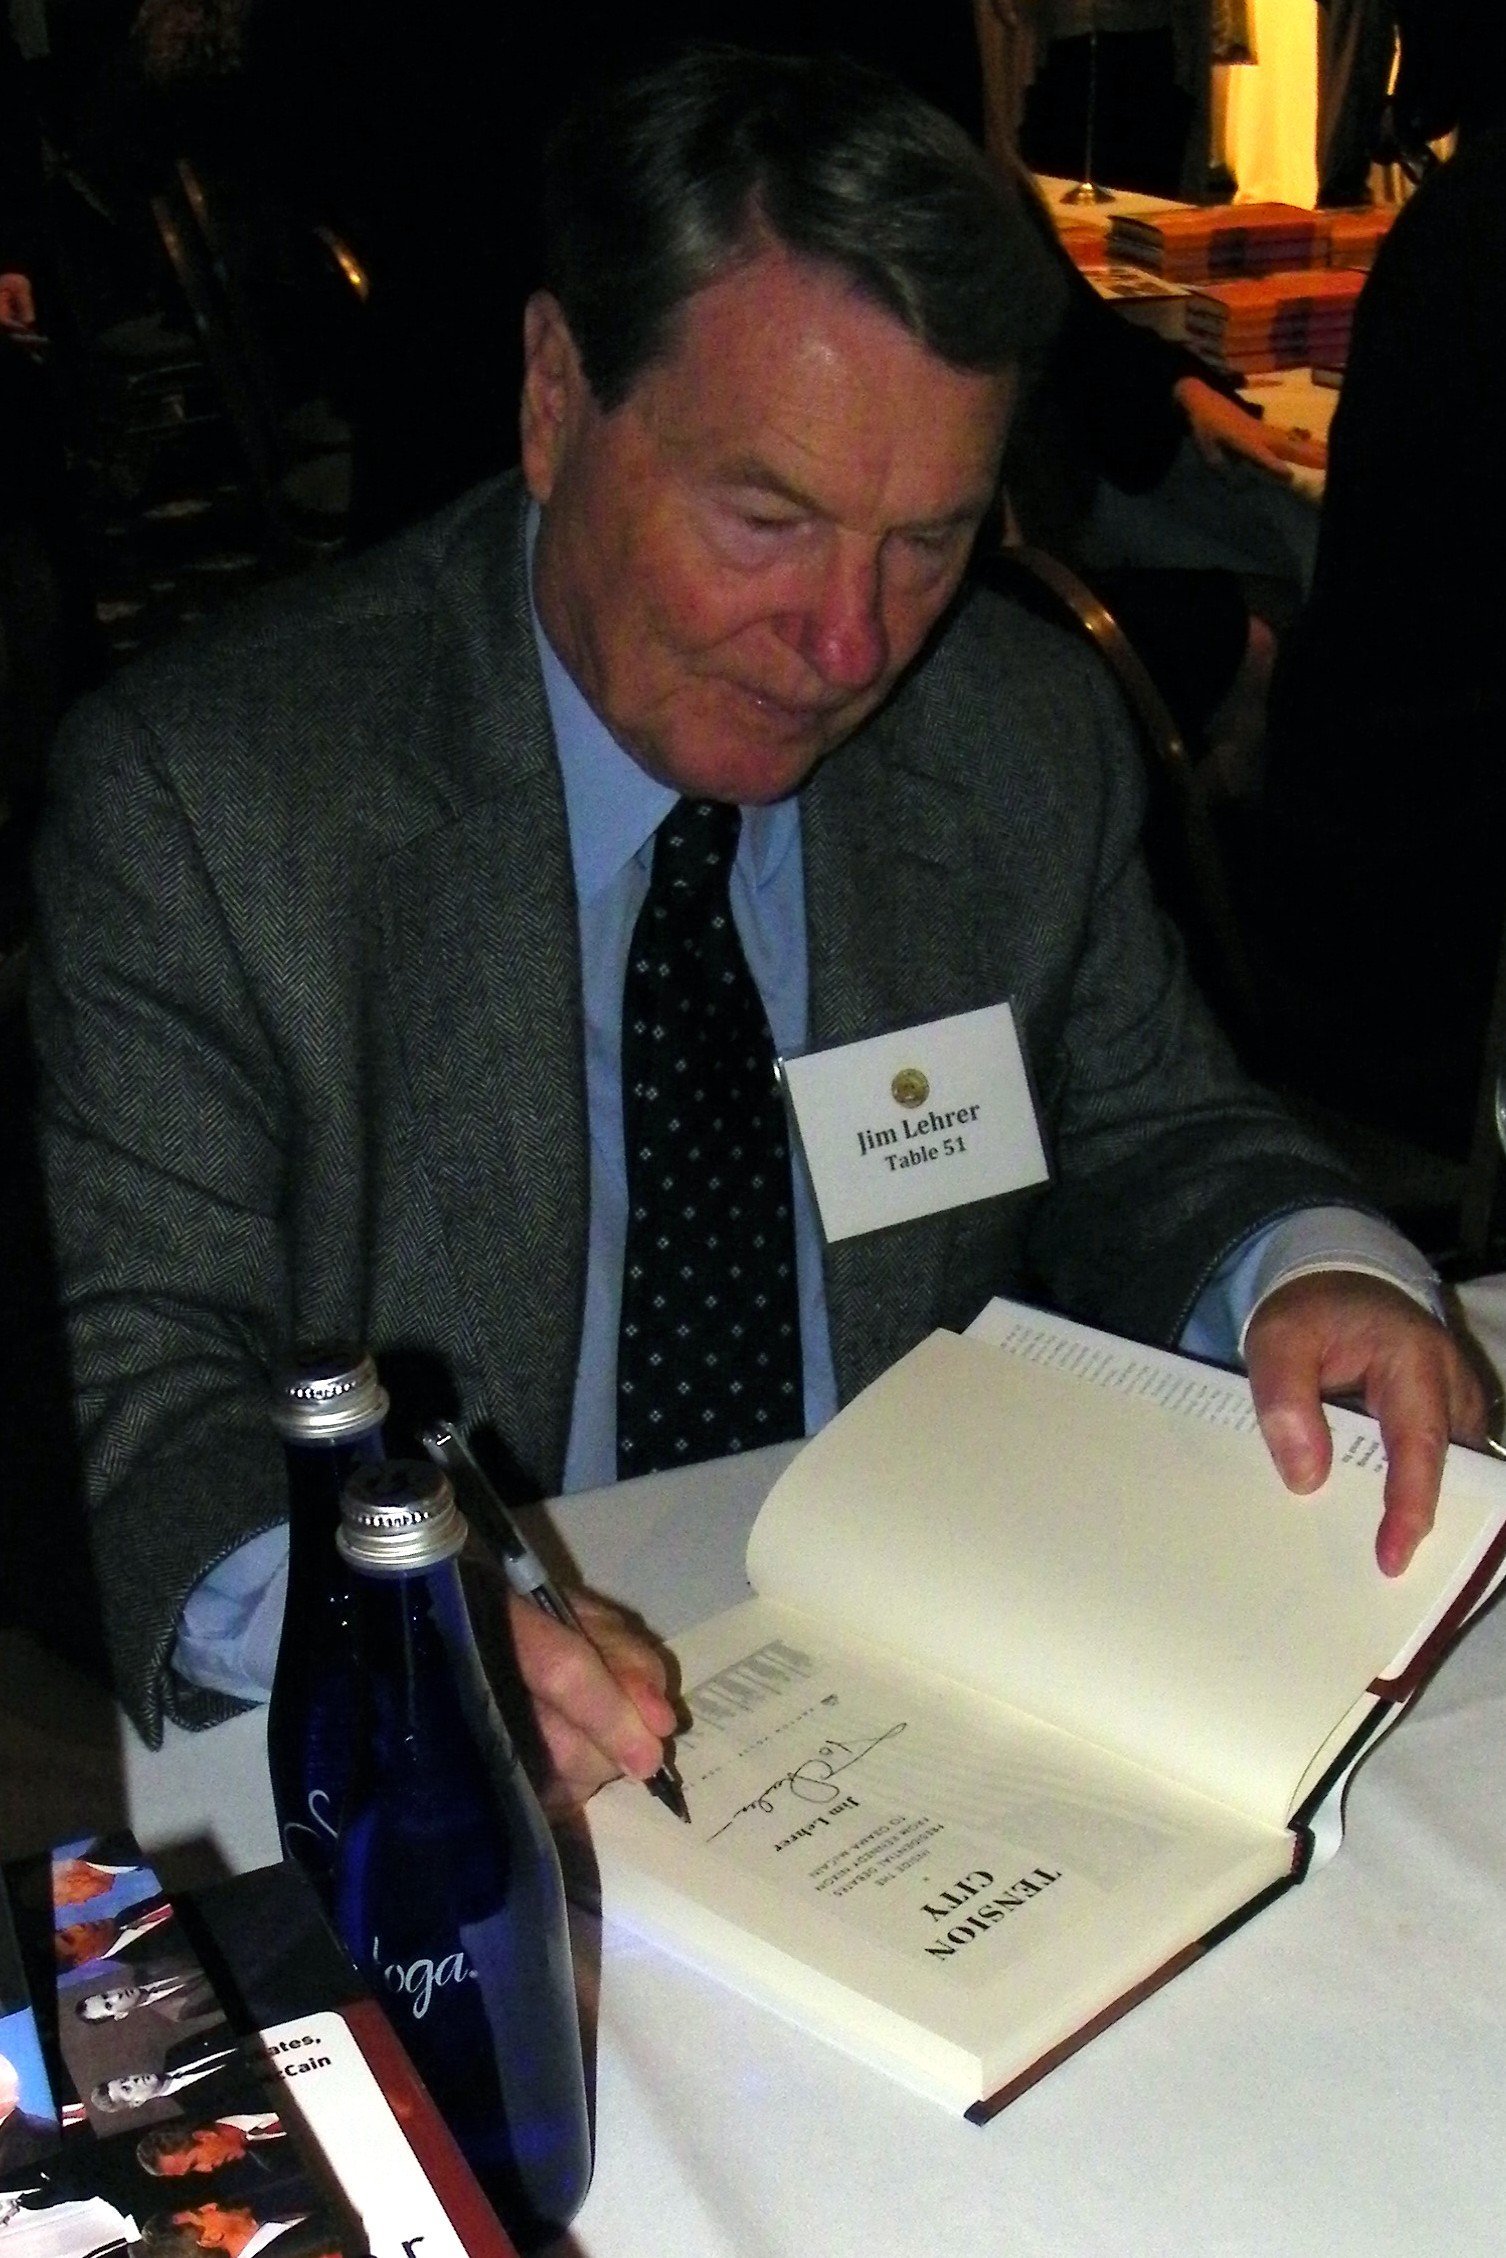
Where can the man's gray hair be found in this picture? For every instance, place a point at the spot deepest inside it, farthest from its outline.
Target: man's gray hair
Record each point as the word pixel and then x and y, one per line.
pixel 657 185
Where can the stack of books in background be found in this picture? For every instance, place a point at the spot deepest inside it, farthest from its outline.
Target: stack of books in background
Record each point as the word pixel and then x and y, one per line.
pixel 1143 297
pixel 1354 237
pixel 1209 242
pixel 1273 286
pixel 1273 321
pixel 1084 241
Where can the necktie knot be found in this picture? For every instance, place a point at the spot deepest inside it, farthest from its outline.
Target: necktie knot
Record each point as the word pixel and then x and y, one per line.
pixel 695 848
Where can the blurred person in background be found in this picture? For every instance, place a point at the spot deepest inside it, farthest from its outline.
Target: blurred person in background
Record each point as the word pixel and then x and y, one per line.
pixel 1356 50
pixel 30 469
pixel 1384 879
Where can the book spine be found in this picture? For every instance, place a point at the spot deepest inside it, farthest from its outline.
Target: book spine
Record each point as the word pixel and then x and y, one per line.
pixel 982 2111
pixel 469 2213
pixel 1438 1641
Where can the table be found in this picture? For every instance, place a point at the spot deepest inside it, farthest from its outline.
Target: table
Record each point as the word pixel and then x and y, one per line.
pixel 1291 398
pixel 1329 2081
pixel 1233 519
pixel 1293 402
pixel 1123 203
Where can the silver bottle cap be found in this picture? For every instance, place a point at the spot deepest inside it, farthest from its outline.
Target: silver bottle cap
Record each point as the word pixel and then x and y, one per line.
pixel 328 1398
pixel 399 1518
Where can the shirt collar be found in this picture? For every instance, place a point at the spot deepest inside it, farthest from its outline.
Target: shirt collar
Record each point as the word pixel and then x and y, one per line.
pixel 613 806
pixel 268 2232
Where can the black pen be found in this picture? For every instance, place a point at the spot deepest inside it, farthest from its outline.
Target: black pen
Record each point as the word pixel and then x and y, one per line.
pixel 522 1566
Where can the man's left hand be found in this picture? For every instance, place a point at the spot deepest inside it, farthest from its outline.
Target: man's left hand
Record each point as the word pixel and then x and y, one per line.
pixel 1340 1333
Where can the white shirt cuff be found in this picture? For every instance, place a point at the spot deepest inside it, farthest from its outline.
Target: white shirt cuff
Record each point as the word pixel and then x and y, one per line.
pixel 232 1620
pixel 1315 1239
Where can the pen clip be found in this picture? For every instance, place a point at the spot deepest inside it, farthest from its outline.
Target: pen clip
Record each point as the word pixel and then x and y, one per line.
pixel 524 1570
pixel 448 1448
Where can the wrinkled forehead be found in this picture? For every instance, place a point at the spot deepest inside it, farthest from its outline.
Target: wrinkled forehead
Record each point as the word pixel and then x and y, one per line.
pixel 784 356
pixel 753 289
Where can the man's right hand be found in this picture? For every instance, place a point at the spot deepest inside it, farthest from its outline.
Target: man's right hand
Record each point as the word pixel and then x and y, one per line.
pixel 599 1699
pixel 1341 1333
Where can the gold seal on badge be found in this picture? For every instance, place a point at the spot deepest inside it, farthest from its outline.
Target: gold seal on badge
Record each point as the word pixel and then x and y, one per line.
pixel 910 1087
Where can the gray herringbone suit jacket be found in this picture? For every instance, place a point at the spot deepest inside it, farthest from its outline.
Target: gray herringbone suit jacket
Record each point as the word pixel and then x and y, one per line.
pixel 308 1003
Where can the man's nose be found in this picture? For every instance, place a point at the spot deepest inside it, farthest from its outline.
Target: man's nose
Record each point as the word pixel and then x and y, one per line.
pixel 842 634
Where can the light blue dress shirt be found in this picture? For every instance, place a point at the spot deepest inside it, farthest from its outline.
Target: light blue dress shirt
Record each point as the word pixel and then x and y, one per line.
pixel 228 1633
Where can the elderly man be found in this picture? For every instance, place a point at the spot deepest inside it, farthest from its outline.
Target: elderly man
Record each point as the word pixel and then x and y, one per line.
pixel 22 2136
pixel 369 921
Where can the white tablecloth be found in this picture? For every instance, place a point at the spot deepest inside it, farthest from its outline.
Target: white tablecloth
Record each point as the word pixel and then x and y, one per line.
pixel 1331 2080
pixel 1122 203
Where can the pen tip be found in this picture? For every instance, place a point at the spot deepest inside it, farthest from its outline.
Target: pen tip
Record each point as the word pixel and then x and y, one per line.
pixel 667 1789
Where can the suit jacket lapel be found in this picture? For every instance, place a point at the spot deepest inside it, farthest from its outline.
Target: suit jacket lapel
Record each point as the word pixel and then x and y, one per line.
pixel 478 937
pixel 884 836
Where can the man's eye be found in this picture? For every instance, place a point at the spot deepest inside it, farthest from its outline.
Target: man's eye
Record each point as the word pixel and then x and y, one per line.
pixel 934 543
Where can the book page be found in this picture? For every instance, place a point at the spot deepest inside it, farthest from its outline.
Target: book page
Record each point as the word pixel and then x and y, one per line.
pixel 1136 1576
pixel 942 1863
pixel 1213 1396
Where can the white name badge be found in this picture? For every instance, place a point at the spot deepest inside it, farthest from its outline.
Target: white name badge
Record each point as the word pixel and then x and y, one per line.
pixel 909 1124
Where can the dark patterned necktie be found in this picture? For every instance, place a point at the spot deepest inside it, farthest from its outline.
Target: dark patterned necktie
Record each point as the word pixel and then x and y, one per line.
pixel 708 1353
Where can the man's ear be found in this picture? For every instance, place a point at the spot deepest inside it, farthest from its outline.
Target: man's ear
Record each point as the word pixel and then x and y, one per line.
pixel 554 389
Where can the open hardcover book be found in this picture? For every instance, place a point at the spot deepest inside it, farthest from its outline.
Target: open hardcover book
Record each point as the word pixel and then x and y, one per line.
pixel 1045 1683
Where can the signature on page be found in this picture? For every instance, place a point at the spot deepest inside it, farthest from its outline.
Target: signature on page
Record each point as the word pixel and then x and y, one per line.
pixel 814 1780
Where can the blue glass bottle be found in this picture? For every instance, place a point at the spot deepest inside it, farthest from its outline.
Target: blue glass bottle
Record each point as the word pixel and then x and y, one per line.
pixel 447 1883
pixel 329 1413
